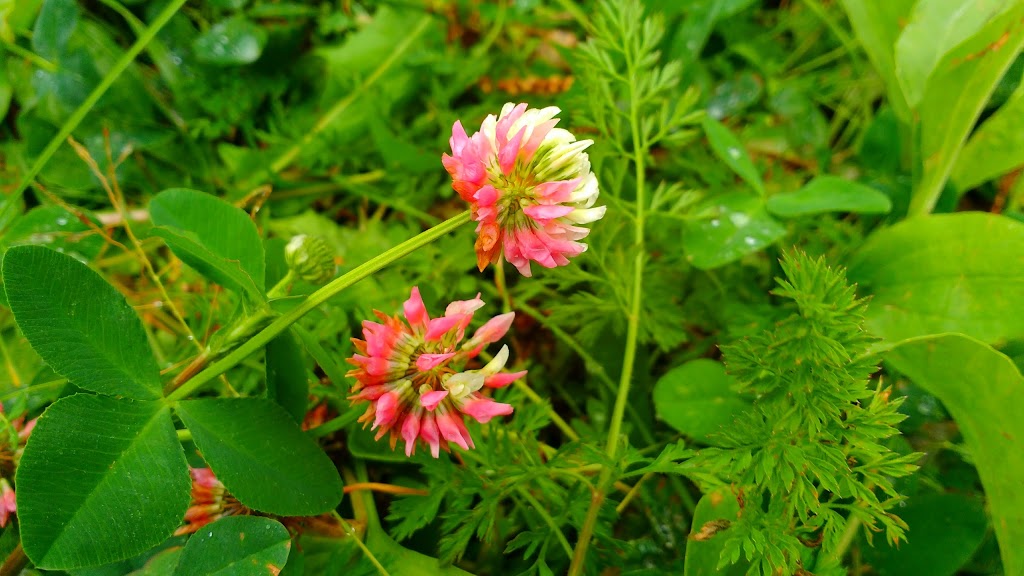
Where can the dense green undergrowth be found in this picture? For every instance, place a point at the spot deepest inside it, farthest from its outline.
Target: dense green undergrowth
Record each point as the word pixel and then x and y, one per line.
pixel 791 346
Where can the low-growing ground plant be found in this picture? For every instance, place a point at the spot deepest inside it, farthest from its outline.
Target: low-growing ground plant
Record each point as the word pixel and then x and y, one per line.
pixel 525 288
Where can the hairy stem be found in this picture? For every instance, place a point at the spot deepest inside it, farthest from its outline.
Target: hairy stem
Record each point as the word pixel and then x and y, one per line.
pixel 315 299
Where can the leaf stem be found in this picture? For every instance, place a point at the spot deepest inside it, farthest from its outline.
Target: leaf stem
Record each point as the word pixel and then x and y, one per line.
pixel 632 329
pixel 349 530
pixel 316 299
pixel 79 114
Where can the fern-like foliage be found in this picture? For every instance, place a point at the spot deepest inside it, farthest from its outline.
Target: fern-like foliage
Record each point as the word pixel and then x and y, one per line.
pixel 810 457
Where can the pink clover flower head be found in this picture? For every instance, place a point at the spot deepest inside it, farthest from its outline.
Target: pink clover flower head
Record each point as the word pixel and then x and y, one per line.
pixel 210 502
pixel 410 372
pixel 529 186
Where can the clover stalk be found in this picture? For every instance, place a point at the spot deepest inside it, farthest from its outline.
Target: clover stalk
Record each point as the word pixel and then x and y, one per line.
pixel 263 337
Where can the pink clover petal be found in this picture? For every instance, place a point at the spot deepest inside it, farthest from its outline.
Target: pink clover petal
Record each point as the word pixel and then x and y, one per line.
pixel 464 306
pixel 450 430
pixel 540 131
pixel 543 212
pixel 464 431
pixel 427 362
pixel 430 400
pixel 459 138
pixel 438 327
pixel 24 433
pixel 486 196
pixel 387 410
pixel 415 311
pixel 510 151
pixel 410 433
pixel 494 329
pixel 503 379
pixel 429 433
pixel 483 409
pixel 204 477
pixel 506 121
pixel 556 191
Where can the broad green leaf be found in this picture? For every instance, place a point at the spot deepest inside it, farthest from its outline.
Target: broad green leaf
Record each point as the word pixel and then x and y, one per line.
pixel 984 391
pixel 237 546
pixel 944 273
pixel 212 236
pixel 731 226
pixel 698 399
pixel 231 42
pixel 79 324
pixel 728 148
pixel 956 94
pixel 934 29
pixel 995 148
pixel 945 530
pixel 829 194
pixel 57 21
pixel 57 228
pixel 703 556
pixel 101 480
pixel 262 457
pixel 878 25
pixel 287 383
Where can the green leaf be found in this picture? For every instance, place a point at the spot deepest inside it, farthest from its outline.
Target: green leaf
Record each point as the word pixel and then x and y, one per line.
pixel 731 226
pixel 56 228
pixel 997 147
pixel 829 194
pixel 232 42
pixel 237 546
pixel 287 383
pixel 702 556
pixel 878 25
pixel 212 236
pixel 956 95
pixel 262 457
pixel 728 148
pixel 79 324
pixel 933 30
pixel 945 530
pixel 698 398
pixel 984 391
pixel 944 273
pixel 57 21
pixel 101 480
pixel 398 559
pixel 362 445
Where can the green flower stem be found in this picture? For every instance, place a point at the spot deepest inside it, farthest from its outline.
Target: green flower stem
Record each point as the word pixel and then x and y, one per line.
pixel 351 532
pixel 79 114
pixel 316 299
pixel 289 155
pixel 334 424
pixel 31 56
pixel 632 330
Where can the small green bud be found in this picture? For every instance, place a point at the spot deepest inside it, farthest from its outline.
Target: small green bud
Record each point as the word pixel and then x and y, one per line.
pixel 311 258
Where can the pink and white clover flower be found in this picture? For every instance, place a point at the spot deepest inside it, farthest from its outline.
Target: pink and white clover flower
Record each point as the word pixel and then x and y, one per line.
pixel 529 186
pixel 408 371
